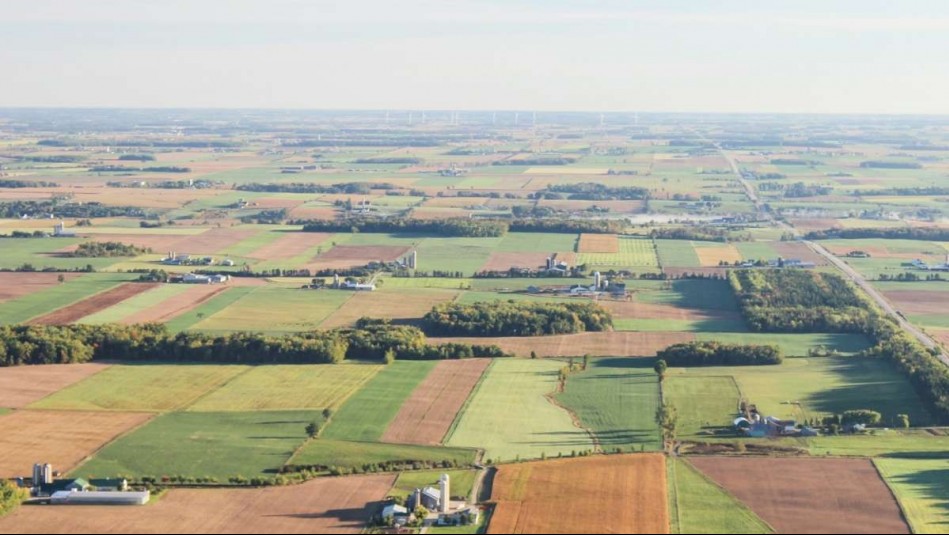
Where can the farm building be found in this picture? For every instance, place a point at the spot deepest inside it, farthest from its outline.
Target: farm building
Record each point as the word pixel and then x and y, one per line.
pixel 431 498
pixel 67 497
pixel 193 278
pixel 791 263
pixel 394 511
pixel 60 231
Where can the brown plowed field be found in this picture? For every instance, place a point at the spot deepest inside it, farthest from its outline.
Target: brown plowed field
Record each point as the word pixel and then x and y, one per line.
pixel 601 494
pixel 598 243
pixel 290 245
pixel 13 285
pixel 214 240
pixel 324 505
pixel 346 256
pixel 505 261
pixel 920 302
pixel 598 344
pixel 428 413
pixel 91 305
pixel 393 305
pixel 22 385
pixel 61 438
pixel 176 305
pixel 798 251
pixel 808 495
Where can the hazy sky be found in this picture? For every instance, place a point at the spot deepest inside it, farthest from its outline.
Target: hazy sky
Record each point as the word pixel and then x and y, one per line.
pixel 664 55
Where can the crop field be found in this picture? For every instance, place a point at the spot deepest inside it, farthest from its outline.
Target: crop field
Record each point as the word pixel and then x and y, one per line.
pixel 616 399
pixel 801 495
pixel 14 285
pixel 290 310
pixel 346 256
pixel 179 302
pixel 142 387
pixel 387 304
pixel 61 438
pixel 503 261
pixel 699 505
pixel 677 253
pixel 41 302
pixel 148 299
pixel 807 388
pixel 511 416
pixel 704 404
pixel 922 488
pixel 336 505
pixel 714 256
pixel 22 385
pixel 466 255
pixel 598 243
pixel 598 344
pixel 794 345
pixel 428 413
pixel 204 444
pixel 289 245
pixel 536 242
pixel 634 254
pixel 93 304
pixel 367 414
pixel 287 387
pixel 215 303
pixel 610 494
pixel 344 454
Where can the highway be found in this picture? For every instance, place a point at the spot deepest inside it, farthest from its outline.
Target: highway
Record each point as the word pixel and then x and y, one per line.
pixel 854 276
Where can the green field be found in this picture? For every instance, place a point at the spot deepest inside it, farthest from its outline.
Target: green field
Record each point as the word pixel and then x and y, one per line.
pixel 137 303
pixel 461 482
pixel 617 400
pixel 367 413
pixel 288 387
pixel 194 444
pixel 922 488
pixel 510 416
pixel 42 253
pixel 703 404
pixel 711 325
pixel 807 388
pixel 793 345
pixel 880 442
pixel 288 310
pixel 539 242
pixel 49 299
pixel 466 255
pixel 634 253
pixel 698 505
pixel 677 253
pixel 142 387
pixel 210 307
pixel 712 295
pixel 344 454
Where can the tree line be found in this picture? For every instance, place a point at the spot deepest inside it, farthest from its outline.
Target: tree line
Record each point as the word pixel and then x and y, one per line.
pixel 371 340
pixel 457 227
pixel 511 318
pixel 14 184
pixel 124 169
pixel 593 191
pixel 109 249
pixel 895 233
pixel 719 354
pixel 17 209
pixel 878 164
pixel 350 188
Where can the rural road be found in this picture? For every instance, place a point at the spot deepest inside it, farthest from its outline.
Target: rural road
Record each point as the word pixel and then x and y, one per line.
pixel 856 277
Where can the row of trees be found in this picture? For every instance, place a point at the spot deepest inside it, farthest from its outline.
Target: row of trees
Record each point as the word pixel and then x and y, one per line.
pixel 458 227
pixel 350 188
pixel 894 233
pixel 124 169
pixel 16 209
pixel 699 234
pixel 373 339
pixel 511 318
pixel 595 191
pixel 108 249
pixel 719 354
pixel 14 184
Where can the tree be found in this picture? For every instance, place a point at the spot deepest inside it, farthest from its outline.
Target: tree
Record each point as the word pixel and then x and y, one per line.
pixel 390 356
pixel 327 413
pixel 533 354
pixel 313 429
pixel 660 368
pixel 667 417
pixel 902 420
pixel 586 362
pixel 61 278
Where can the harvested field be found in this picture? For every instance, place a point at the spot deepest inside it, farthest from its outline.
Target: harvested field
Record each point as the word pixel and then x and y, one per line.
pixel 91 305
pixel 22 385
pixel 598 243
pixel 601 494
pixel 14 285
pixel 808 495
pixel 428 413
pixel 290 245
pixel 500 261
pixel 598 344
pixel 325 505
pixel 639 310
pixel 712 256
pixel 61 438
pixel 214 240
pixel 798 251
pixel 346 256
pixel 919 302
pixel 394 305
pixel 176 305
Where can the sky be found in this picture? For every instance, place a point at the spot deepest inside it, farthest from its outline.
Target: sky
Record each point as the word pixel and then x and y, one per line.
pixel 803 56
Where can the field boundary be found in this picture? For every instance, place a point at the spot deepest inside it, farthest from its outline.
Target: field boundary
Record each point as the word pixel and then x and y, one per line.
pixel 574 417
pixel 740 504
pixel 906 517
pixel 184 408
pixel 464 407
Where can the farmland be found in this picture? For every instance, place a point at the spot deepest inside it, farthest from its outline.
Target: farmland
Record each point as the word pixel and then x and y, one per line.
pixel 699 505
pixel 809 495
pixel 615 494
pixel 23 385
pixel 511 416
pixel 921 486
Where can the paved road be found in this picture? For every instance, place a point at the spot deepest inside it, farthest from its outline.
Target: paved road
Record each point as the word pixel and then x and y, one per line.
pixel 856 277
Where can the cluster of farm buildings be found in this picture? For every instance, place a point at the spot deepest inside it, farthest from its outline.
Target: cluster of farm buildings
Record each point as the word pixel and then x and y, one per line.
pixel 443 511
pixel 46 488
pixel 923 266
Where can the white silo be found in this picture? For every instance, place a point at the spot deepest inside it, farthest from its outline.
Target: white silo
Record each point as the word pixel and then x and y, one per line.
pixel 445 488
pixel 596 280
